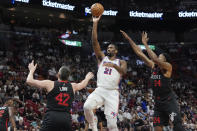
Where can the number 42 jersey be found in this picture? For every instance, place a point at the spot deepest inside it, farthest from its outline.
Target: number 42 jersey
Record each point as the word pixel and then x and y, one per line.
pixel 60 98
pixel 108 77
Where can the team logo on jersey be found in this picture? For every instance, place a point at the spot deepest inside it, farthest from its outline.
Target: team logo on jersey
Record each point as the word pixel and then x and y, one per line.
pixel 172 115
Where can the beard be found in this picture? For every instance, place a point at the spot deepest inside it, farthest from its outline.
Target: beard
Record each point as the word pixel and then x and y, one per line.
pixel 110 54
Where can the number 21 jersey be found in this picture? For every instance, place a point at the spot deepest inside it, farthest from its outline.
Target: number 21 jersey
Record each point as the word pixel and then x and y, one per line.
pixel 60 98
pixel 108 77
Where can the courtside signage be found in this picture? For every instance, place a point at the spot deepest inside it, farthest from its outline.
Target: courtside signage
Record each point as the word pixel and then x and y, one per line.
pixel 71 43
pixel 106 12
pixel 49 3
pixel 145 15
pixel 152 47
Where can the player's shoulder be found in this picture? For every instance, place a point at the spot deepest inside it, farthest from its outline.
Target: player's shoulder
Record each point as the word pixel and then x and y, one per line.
pixel 123 62
pixel 49 83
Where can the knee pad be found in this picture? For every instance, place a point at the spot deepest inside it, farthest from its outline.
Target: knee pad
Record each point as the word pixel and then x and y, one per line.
pixel 112 123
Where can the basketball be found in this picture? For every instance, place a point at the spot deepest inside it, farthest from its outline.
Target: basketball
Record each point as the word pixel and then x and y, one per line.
pixel 97 9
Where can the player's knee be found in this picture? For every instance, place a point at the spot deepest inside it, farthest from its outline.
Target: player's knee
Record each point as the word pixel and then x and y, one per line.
pixel 178 127
pixel 177 123
pixel 87 106
pixel 111 123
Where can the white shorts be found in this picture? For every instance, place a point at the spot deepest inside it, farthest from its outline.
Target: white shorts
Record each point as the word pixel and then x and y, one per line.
pixel 108 98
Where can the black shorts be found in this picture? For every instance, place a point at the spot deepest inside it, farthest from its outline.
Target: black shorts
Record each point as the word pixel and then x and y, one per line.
pixel 56 121
pixel 166 111
pixel 3 127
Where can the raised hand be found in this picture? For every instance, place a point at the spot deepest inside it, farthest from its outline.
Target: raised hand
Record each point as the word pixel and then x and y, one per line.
pixel 95 19
pixel 89 75
pixel 32 67
pixel 125 35
pixel 144 37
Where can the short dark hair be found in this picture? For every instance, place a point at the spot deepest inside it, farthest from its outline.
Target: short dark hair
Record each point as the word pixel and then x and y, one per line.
pixel 116 47
pixel 64 73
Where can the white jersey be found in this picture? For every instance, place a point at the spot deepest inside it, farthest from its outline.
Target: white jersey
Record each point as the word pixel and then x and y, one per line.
pixel 108 77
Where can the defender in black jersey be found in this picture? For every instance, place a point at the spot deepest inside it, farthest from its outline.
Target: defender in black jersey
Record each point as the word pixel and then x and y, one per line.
pixel 166 107
pixel 6 115
pixel 59 98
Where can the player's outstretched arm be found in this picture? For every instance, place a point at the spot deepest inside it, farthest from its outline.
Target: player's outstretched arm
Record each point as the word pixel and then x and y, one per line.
pixel 137 50
pixel 11 117
pixel 97 49
pixel 153 56
pixel 84 83
pixel 131 42
pixel 145 39
pixel 48 84
pixel 123 66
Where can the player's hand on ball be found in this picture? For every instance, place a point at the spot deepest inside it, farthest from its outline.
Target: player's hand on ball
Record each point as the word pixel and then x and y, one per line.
pixel 32 67
pixel 96 19
pixel 125 35
pixel 90 75
pixel 144 37
pixel 108 64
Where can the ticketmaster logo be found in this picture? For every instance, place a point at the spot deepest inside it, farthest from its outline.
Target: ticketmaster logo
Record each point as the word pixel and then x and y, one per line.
pixel 145 15
pixel 25 1
pixel 106 12
pixel 187 14
pixel 57 5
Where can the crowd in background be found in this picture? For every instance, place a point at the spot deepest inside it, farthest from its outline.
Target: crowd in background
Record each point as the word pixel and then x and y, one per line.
pixel 136 99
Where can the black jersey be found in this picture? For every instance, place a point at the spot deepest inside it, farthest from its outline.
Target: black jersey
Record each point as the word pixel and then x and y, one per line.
pixel 160 84
pixel 4 116
pixel 60 98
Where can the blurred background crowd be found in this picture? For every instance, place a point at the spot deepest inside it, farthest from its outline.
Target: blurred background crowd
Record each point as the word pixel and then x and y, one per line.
pixel 33 32
pixel 21 45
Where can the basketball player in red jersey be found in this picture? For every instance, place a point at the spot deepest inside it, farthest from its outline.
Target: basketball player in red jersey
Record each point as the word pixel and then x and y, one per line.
pixel 59 98
pixel 7 114
pixel 166 107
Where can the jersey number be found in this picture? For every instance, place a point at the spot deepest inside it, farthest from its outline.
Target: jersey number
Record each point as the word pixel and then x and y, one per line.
pixel 157 83
pixel 156 120
pixel 107 71
pixel 62 98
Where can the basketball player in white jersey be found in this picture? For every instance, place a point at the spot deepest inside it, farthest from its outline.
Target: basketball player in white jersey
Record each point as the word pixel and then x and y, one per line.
pixel 110 70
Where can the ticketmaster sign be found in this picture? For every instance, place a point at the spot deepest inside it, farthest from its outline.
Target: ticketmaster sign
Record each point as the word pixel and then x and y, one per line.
pixel 106 12
pixel 145 15
pixel 187 14
pixel 49 3
pixel 24 1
